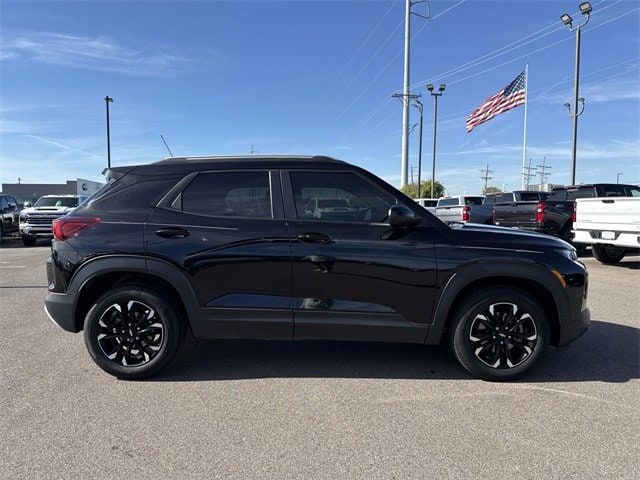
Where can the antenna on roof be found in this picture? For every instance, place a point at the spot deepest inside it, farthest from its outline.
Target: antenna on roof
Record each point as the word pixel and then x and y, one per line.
pixel 167 146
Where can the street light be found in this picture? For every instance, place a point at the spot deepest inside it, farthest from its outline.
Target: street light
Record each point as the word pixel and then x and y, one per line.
pixel 107 101
pixel 418 104
pixel 435 96
pixel 585 9
pixel 618 175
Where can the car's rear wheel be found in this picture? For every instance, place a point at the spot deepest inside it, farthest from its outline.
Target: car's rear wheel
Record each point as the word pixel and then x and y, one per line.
pixel 607 253
pixel 132 332
pixel 499 333
pixel 29 240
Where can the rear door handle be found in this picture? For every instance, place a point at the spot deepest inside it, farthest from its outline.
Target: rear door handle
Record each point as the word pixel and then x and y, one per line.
pixel 172 232
pixel 314 237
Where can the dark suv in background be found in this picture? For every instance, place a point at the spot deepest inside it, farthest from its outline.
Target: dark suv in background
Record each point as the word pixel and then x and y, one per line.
pixel 223 247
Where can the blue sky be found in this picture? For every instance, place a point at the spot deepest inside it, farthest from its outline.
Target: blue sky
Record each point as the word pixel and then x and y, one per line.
pixel 312 77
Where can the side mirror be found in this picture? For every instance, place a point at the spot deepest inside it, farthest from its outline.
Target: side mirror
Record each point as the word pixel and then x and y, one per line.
pixel 402 216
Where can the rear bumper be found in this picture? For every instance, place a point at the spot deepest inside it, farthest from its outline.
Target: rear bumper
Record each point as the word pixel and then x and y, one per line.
pixel 59 308
pixel 621 239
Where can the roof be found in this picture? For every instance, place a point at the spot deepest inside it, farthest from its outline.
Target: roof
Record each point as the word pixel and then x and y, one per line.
pixel 252 158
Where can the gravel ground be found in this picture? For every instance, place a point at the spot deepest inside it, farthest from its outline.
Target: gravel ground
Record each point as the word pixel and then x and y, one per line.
pixel 248 409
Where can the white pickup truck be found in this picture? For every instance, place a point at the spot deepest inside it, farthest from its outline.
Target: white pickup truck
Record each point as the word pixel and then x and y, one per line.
pixel 463 209
pixel 610 225
pixel 35 222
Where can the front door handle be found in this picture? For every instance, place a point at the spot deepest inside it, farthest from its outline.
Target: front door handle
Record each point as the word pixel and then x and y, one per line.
pixel 172 232
pixel 314 237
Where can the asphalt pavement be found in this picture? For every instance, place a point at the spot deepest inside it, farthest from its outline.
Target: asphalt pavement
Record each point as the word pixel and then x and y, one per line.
pixel 252 409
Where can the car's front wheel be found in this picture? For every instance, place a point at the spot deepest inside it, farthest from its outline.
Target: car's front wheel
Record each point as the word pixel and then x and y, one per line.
pixel 132 332
pixel 499 333
pixel 607 254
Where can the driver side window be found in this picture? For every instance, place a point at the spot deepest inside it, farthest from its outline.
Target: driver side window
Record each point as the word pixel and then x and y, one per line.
pixel 338 196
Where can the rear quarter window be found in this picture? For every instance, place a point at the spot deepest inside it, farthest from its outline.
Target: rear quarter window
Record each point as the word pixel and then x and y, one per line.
pixel 134 192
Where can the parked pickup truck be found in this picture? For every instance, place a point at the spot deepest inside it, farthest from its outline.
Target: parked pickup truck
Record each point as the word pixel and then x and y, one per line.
pixel 463 209
pixel 554 215
pixel 35 222
pixel 610 225
pixel 428 203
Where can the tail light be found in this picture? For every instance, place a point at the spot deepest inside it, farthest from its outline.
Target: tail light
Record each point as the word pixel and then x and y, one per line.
pixel 574 215
pixel 67 227
pixel 541 212
pixel 466 213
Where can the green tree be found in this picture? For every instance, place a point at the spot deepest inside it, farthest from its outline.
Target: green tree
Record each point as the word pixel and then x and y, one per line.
pixel 491 190
pixel 411 189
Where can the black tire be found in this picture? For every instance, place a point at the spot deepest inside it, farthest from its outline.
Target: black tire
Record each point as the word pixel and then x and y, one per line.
pixel 607 254
pixel 474 344
pixel 132 332
pixel 29 240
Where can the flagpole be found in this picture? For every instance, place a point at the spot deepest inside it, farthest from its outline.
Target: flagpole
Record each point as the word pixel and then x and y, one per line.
pixel 524 135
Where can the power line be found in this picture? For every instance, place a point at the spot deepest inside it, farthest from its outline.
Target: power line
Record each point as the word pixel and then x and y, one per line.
pixel 528 175
pixel 542 170
pixel 486 177
pixel 355 54
pixel 504 50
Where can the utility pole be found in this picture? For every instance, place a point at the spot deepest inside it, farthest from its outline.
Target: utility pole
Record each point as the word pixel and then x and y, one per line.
pixel 419 106
pixel 404 167
pixel 527 175
pixel 254 151
pixel 411 167
pixel 435 96
pixel 543 170
pixel 486 177
pixel 585 9
pixel 107 101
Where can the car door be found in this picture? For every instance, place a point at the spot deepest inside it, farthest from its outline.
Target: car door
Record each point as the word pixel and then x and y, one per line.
pixel 354 277
pixel 225 230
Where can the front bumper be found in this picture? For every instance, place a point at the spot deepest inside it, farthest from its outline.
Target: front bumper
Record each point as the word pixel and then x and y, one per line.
pixel 571 329
pixel 59 307
pixel 36 230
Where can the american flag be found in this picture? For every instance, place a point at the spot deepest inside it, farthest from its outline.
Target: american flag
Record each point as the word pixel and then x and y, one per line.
pixel 509 97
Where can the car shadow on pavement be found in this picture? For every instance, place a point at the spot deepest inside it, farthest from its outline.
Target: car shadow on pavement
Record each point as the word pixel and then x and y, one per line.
pixel 607 352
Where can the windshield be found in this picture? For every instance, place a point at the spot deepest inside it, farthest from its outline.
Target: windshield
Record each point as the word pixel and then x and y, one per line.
pixel 70 202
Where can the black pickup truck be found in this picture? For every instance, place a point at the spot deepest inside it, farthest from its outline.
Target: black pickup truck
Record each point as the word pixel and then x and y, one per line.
pixel 554 214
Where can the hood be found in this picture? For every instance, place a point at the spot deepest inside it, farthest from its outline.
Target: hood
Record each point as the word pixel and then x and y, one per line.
pixel 45 210
pixel 505 237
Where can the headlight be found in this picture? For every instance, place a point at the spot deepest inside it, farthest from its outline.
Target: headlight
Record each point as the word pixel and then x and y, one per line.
pixel 570 254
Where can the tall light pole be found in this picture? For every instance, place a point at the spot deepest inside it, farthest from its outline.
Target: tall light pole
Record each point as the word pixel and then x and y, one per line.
pixel 406 101
pixel 418 104
pixel 107 101
pixel 618 175
pixel 435 96
pixel 585 9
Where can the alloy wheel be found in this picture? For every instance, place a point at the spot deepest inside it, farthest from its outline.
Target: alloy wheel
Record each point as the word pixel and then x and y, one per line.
pixel 130 333
pixel 503 335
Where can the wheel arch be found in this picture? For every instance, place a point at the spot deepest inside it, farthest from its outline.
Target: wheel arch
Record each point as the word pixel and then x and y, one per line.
pixel 103 273
pixel 534 280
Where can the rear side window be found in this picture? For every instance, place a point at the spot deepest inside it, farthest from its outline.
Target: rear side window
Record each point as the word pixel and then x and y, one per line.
pixel 229 194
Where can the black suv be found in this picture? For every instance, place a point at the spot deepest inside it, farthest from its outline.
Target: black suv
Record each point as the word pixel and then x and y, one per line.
pixel 229 247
